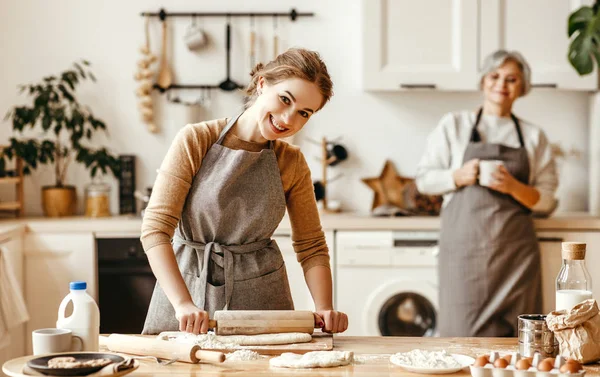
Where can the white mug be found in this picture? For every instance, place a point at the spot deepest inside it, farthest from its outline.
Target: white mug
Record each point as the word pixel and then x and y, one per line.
pixel 55 341
pixel 195 37
pixel 486 169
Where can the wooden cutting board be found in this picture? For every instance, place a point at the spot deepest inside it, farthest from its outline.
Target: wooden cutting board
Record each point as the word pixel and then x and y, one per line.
pixel 319 342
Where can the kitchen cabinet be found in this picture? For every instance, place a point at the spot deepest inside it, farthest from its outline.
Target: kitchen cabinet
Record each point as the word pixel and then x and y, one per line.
pixel 12 250
pixel 52 261
pixel 411 44
pixel 538 30
pixel 408 46
pixel 300 293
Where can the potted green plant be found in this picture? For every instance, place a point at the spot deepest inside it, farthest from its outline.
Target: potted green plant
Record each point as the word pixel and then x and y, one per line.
pixel 64 127
pixel 584 31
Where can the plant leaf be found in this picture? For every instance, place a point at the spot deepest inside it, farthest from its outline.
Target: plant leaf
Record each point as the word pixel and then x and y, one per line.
pixel 580 54
pixel 579 19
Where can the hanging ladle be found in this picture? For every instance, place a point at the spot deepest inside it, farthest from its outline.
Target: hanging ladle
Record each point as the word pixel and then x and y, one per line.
pixel 228 85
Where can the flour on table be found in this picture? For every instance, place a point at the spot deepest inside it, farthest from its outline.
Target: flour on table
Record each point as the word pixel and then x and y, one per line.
pixel 315 359
pixel 425 359
pixel 213 341
pixel 242 355
pixel 366 359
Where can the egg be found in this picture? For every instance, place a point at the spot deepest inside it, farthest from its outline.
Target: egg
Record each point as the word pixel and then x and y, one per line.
pixel 569 368
pixel 551 360
pixel 500 363
pixel 545 366
pixel 574 362
pixel 507 358
pixel 523 364
pixel 481 361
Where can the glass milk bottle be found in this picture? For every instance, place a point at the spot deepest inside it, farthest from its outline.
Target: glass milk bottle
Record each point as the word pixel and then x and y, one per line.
pixel 85 319
pixel 573 283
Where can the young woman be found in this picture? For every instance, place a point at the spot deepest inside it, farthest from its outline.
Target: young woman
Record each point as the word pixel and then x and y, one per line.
pixel 220 194
pixel 489 262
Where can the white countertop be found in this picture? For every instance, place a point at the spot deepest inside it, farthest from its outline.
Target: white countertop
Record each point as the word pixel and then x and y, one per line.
pixel 131 225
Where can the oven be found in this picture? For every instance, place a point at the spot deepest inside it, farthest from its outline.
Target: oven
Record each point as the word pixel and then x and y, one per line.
pixel 125 285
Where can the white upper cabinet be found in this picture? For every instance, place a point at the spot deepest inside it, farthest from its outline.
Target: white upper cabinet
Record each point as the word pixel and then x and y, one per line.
pixel 538 30
pixel 420 44
pixel 441 44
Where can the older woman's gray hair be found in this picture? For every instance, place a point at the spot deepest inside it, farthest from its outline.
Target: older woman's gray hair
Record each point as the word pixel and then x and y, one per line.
pixel 498 58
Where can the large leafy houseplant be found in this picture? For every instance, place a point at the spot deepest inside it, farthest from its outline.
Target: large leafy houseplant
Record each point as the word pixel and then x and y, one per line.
pixel 61 128
pixel 584 31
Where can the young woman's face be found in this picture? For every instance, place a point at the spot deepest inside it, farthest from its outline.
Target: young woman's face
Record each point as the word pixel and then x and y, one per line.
pixel 503 85
pixel 285 107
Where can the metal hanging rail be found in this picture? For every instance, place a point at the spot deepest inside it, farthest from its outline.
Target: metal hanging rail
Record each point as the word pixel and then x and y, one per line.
pixel 162 14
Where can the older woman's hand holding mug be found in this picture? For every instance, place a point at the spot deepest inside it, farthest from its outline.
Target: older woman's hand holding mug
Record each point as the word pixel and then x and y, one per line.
pixel 467 174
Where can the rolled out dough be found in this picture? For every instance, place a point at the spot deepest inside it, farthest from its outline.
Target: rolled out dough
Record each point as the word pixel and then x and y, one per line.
pixel 315 359
pixel 211 340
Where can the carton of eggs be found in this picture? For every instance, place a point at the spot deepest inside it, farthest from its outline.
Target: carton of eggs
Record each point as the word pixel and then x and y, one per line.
pixel 513 365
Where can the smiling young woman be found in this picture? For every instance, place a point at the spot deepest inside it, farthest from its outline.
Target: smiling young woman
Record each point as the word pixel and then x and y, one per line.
pixel 222 190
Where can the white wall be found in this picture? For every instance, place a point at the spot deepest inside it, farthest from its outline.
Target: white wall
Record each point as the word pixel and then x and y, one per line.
pixel 41 37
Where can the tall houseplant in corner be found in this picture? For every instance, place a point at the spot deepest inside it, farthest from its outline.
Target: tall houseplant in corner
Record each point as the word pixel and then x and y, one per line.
pixel 584 31
pixel 61 129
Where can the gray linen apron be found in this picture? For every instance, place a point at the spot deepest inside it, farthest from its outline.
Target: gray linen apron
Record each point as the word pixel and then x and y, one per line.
pixel 489 260
pixel 223 242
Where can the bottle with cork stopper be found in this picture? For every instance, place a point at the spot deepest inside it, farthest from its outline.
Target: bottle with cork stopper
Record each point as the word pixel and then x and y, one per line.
pixel 573 283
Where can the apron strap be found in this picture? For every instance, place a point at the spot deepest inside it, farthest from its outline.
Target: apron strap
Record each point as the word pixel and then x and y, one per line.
pixel 228 127
pixel 222 255
pixel 476 137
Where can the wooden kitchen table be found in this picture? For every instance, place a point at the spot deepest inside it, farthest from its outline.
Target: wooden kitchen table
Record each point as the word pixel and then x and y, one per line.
pixel 371 359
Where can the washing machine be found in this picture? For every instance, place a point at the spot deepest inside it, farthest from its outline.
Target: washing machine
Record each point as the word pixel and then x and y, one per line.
pixel 387 282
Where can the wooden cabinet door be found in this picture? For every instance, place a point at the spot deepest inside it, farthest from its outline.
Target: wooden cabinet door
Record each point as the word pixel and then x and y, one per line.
pixel 12 253
pixel 538 30
pixel 411 44
pixel 300 293
pixel 52 261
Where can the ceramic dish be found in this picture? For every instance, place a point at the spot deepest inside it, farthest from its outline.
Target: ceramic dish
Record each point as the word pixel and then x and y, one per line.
pixel 463 360
pixel 40 364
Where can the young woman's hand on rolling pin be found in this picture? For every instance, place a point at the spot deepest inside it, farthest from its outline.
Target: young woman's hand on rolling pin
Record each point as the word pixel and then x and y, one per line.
pixel 191 318
pixel 331 321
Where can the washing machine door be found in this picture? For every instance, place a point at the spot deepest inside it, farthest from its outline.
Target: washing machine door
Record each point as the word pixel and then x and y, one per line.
pixel 402 308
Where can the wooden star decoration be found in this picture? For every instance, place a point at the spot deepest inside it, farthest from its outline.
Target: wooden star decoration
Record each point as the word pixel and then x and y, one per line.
pixel 388 187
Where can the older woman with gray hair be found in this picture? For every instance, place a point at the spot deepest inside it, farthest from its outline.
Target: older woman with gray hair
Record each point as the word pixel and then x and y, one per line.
pixel 489 261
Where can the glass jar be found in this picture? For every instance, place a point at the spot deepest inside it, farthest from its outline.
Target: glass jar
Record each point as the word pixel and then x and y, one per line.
pixel 97 199
pixel 573 283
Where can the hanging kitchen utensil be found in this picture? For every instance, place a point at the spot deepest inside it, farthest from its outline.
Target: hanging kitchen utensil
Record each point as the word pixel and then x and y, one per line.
pixel 228 84
pixel 275 38
pixel 252 44
pixel 165 78
pixel 195 37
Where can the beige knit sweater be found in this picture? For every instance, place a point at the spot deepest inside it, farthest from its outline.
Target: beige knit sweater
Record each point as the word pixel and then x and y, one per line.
pixel 183 161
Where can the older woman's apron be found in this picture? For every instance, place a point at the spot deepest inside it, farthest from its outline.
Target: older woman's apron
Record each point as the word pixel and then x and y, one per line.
pixel 489 261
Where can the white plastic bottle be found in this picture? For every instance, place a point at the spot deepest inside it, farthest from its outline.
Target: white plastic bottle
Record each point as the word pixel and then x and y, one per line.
pixel 573 283
pixel 84 322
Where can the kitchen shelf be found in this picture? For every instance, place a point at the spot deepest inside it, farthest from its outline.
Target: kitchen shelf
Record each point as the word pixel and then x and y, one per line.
pixel 16 206
pixel 10 206
pixel 9 180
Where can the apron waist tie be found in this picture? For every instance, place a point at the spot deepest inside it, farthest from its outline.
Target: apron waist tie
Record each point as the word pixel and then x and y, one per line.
pixel 222 255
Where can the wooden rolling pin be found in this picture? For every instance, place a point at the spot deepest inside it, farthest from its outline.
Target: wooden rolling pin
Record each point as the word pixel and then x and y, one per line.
pixel 253 322
pixel 136 345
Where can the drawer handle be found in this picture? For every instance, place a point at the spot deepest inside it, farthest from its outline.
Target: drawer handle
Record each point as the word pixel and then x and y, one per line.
pixel 549 85
pixel 418 86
